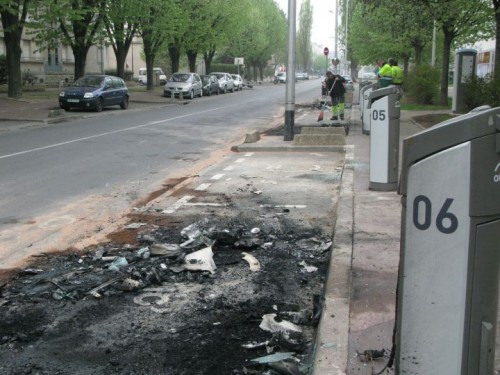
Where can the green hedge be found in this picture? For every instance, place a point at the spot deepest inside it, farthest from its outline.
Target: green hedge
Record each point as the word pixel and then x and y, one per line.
pixel 480 91
pixel 421 85
pixel 226 68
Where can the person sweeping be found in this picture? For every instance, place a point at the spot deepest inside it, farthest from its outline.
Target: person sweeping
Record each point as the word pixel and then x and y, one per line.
pixel 336 91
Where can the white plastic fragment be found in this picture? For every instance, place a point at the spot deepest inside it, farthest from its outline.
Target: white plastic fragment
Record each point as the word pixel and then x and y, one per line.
pixel 118 263
pixel 271 325
pixel 201 260
pixel 109 258
pixel 144 252
pixel 307 268
pixel 252 262
pixel 276 357
pixel 255 345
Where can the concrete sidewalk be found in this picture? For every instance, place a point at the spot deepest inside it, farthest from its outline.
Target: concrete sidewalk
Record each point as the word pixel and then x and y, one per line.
pixel 359 300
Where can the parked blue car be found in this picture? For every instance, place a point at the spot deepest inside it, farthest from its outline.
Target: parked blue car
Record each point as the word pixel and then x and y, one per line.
pixel 95 92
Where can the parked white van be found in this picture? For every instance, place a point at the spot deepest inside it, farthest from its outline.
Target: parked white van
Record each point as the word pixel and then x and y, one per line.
pixel 143 78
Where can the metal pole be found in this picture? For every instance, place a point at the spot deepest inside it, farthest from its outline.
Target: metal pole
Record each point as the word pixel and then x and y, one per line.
pixel 346 10
pixel 336 31
pixel 290 74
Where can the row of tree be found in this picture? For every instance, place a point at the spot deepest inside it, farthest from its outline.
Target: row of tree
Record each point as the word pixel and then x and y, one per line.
pixel 255 29
pixel 381 28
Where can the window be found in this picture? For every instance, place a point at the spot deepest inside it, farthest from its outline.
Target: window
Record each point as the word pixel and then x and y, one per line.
pixel 52 57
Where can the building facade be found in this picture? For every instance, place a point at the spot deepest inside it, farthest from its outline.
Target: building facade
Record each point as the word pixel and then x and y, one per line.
pixel 53 67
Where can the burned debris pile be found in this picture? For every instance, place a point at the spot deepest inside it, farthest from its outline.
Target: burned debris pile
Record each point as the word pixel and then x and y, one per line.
pixel 214 297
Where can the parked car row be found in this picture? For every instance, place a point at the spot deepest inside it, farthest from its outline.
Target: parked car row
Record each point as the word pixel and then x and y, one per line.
pixel 190 85
pixel 99 91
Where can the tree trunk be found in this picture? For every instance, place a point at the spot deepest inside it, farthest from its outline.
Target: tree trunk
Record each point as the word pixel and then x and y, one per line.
pixel 150 62
pixel 191 55
pixel 121 45
pixel 406 64
pixel 12 37
pixel 121 56
pixel 208 56
pixel 174 53
pixel 418 48
pixel 149 53
pixel 448 40
pixel 80 61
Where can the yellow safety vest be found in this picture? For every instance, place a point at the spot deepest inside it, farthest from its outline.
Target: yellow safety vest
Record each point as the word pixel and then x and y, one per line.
pixel 397 75
pixel 385 75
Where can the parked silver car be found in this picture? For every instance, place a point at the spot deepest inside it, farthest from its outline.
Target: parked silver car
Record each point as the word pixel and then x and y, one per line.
pixel 226 82
pixel 238 82
pixel 187 84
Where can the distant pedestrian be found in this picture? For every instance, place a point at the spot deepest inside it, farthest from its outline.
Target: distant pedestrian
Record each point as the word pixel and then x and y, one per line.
pixel 335 88
pixel 384 75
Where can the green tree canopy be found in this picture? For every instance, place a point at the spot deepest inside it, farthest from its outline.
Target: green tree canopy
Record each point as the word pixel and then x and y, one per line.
pixel 304 47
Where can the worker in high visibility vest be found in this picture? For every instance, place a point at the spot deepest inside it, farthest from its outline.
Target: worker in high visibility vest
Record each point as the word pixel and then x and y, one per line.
pixel 334 84
pixel 384 74
pixel 397 76
pixel 397 73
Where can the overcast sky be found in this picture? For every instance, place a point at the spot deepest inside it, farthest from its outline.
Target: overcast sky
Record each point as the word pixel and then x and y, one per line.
pixel 323 30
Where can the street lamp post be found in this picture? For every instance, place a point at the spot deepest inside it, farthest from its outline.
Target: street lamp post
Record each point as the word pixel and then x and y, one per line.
pixel 336 29
pixel 290 74
pixel 346 10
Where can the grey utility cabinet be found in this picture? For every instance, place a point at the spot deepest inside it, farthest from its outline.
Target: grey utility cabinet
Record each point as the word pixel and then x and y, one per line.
pixel 450 248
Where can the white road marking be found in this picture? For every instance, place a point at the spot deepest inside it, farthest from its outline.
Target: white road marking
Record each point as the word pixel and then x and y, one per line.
pixel 283 206
pixel 217 176
pixel 202 187
pixel 240 160
pixel 249 154
pixel 229 168
pixel 178 204
pixel 195 204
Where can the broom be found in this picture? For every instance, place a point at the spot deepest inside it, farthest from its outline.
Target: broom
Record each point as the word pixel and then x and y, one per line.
pixel 322 112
